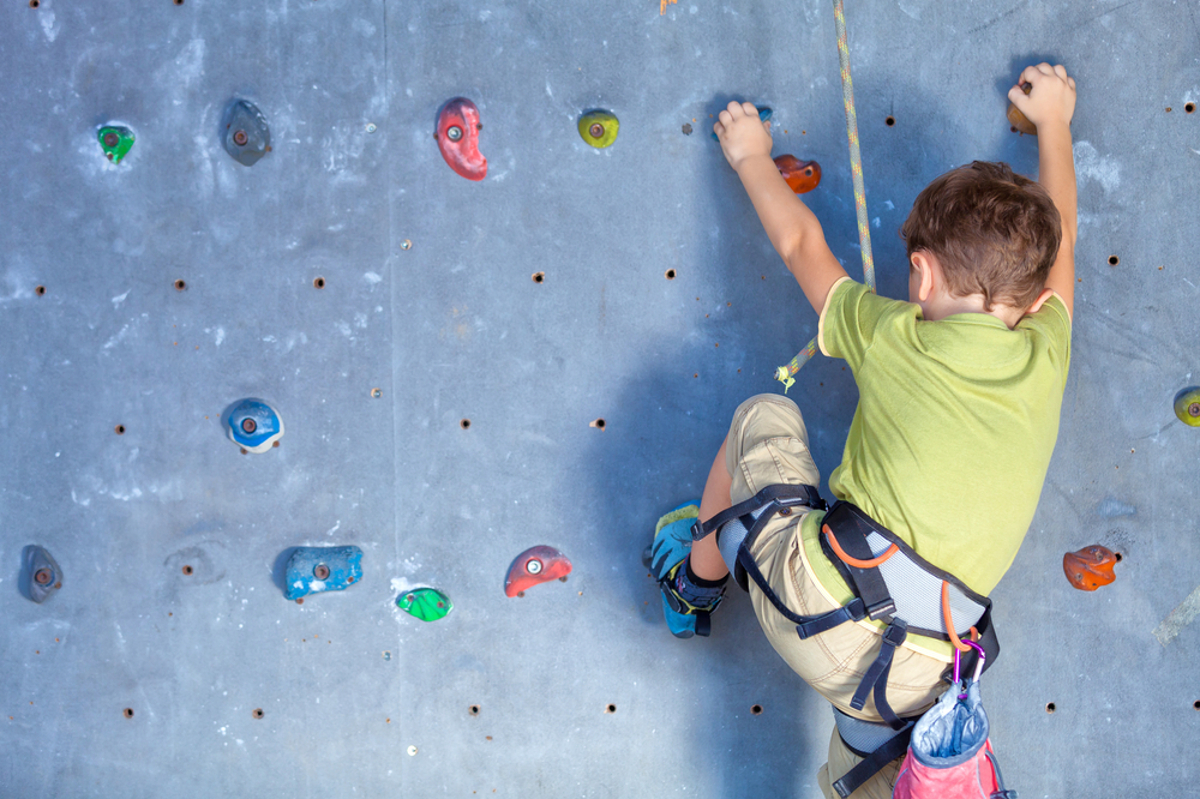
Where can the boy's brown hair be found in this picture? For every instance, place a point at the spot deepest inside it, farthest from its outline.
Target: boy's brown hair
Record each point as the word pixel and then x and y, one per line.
pixel 993 232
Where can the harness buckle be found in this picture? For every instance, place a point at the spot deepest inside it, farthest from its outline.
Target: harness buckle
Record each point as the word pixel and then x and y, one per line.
pixel 896 632
pixel 883 607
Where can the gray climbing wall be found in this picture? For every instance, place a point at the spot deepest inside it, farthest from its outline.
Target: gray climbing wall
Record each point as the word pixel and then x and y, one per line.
pixel 484 438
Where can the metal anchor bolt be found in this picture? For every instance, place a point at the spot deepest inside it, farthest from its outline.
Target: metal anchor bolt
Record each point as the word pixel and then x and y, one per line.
pixel 534 566
pixel 597 130
pixel 454 133
pixel 321 572
pixel 111 139
pixel 240 138
pixel 43 576
pixel 1194 409
pixel 249 425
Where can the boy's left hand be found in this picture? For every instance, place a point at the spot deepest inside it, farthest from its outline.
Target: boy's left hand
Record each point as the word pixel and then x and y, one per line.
pixel 742 134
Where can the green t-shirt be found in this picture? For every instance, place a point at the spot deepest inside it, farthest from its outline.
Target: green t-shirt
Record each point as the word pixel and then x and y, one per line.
pixel 955 426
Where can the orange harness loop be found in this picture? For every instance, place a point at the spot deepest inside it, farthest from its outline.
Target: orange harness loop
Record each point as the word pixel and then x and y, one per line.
pixel 949 621
pixel 855 562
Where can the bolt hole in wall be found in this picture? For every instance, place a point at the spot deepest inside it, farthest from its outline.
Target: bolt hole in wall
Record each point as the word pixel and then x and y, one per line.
pixel 34 3
pixel 319 283
pixel 598 424
pixel 473 710
pixel 377 393
pixel 128 712
pixel 40 291
pixel 539 277
pixel 465 424
pixel 670 274
pixel 756 710
pixel 120 429
pixel 1113 260
pixel 180 285
pixel 610 709
pixel 187 570
pixel 1190 108
pixel 1050 707
pixel 1196 705
pixel 890 121
pixel 258 713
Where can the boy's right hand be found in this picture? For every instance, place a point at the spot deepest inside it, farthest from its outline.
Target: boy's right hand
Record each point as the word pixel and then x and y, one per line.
pixel 1051 98
pixel 742 134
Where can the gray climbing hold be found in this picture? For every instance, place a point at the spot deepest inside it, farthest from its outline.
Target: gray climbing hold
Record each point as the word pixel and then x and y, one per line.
pixel 41 575
pixel 246 135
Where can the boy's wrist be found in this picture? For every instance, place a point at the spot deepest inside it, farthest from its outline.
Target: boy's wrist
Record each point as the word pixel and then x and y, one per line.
pixel 753 162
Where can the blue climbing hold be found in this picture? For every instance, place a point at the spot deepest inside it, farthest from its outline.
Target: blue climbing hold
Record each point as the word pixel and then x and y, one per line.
pixel 764 115
pixel 311 570
pixel 253 425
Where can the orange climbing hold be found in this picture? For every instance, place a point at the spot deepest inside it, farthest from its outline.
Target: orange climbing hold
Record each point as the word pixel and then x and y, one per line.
pixel 1019 120
pixel 1091 567
pixel 662 6
pixel 801 176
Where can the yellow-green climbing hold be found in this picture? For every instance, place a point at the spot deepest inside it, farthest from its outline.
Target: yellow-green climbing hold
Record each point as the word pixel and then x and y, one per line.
pixel 1187 406
pixel 598 128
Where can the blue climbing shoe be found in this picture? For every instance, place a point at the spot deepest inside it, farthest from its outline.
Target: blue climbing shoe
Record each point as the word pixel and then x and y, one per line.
pixel 686 606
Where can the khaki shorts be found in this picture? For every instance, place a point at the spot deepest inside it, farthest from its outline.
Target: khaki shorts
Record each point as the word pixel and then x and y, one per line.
pixel 768 445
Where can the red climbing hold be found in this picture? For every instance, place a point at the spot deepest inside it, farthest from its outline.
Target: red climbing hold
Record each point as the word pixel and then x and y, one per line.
pixel 458 138
pixel 801 176
pixel 1091 567
pixel 535 565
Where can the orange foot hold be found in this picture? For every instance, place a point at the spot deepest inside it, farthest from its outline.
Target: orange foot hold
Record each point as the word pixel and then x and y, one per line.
pixel 1091 567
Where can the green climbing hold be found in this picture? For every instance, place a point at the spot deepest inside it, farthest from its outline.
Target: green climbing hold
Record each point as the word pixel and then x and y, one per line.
pixel 116 142
pixel 1187 406
pixel 426 604
pixel 598 128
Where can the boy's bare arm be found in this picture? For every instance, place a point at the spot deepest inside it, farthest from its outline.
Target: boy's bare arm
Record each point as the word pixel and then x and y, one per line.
pixel 791 226
pixel 1050 105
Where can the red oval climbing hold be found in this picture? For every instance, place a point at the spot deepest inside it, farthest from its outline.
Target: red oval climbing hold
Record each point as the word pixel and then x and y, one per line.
pixel 458 138
pixel 539 564
pixel 801 176
pixel 1089 568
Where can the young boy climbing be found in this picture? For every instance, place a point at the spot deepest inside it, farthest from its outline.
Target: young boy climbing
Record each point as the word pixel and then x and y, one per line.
pixel 960 392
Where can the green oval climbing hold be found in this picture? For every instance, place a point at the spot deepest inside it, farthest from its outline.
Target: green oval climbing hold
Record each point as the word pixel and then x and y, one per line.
pixel 116 141
pixel 598 128
pixel 426 604
pixel 1187 406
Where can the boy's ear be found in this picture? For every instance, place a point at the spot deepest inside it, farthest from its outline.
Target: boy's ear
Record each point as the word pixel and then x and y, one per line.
pixel 1040 301
pixel 920 262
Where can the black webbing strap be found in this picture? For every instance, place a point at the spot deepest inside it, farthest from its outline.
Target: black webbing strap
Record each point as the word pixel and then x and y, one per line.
pixel 876 678
pixel 871 764
pixel 805 625
pixel 868 584
pixel 783 495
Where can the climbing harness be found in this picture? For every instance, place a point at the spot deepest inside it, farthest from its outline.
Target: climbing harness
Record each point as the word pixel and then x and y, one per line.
pixel 891 583
pixel 786 374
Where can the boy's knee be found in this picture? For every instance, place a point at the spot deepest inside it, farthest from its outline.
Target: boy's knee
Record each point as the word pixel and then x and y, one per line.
pixel 768 445
pixel 766 416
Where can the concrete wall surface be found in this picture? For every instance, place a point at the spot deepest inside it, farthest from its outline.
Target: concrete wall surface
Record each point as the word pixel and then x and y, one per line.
pixel 442 405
